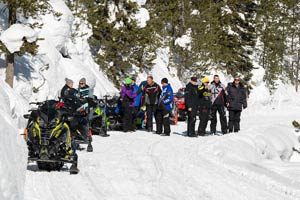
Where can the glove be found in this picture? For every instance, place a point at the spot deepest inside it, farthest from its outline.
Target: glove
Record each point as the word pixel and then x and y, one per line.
pixel 166 101
pixel 244 107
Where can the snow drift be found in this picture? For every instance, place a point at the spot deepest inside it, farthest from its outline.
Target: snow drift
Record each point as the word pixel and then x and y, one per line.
pixel 13 152
pixel 14 37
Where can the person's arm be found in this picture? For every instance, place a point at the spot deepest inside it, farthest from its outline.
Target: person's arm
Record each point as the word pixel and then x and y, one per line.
pixel 245 99
pixel 169 97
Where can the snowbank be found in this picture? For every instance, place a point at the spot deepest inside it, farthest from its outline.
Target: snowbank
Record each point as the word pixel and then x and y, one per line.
pixel 59 56
pixel 13 38
pixel 13 151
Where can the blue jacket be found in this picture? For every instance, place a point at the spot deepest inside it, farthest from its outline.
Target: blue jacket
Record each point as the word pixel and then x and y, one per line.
pixel 138 97
pixel 166 97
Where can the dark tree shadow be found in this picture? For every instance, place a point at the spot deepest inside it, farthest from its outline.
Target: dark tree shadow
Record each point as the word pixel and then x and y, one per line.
pixel 23 68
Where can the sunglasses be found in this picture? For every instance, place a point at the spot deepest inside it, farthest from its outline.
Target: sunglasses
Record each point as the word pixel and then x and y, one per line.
pixel 81 83
pixel 237 79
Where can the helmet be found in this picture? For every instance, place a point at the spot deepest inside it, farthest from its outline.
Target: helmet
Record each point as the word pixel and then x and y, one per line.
pixel 128 81
pixel 205 80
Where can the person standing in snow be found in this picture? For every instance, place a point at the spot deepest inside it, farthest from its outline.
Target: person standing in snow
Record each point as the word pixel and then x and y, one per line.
pixel 204 106
pixel 236 102
pixel 64 91
pixel 151 93
pixel 164 108
pixel 127 98
pixel 218 100
pixel 136 101
pixel 191 102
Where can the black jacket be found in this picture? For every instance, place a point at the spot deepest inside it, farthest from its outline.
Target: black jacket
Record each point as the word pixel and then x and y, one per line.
pixel 236 97
pixel 204 97
pixel 191 96
pixel 64 91
pixel 151 94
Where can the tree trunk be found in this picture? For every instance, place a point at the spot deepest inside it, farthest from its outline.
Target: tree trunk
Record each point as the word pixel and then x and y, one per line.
pixel 10 57
pixel 297 71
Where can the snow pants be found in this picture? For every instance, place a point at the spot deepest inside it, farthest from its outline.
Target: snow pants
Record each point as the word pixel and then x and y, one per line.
pixel 204 117
pixel 191 121
pixel 234 120
pixel 128 118
pixel 163 120
pixel 213 112
pixel 150 109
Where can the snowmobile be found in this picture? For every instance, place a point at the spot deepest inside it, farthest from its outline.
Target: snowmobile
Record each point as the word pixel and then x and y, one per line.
pixel 98 120
pixel 114 112
pixel 76 112
pixel 48 138
pixel 180 105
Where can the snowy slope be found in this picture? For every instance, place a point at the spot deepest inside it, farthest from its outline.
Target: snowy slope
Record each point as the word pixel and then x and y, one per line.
pixel 13 151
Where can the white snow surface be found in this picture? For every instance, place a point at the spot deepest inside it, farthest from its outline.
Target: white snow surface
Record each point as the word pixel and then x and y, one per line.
pixel 253 164
pixel 13 152
pixel 13 37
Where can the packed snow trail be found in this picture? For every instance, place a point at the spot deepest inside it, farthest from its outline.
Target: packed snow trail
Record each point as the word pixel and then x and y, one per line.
pixel 146 166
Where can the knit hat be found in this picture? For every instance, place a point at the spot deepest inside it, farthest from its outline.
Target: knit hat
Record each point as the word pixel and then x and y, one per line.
pixel 205 80
pixel 194 78
pixel 128 81
pixel 68 81
pixel 164 80
pixel 82 80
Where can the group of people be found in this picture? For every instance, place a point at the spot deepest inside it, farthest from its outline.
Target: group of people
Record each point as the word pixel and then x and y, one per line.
pixel 158 102
pixel 211 98
pixel 205 100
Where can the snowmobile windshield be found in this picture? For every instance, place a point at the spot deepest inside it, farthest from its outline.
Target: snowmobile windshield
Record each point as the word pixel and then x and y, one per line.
pixel 179 94
pixel 48 114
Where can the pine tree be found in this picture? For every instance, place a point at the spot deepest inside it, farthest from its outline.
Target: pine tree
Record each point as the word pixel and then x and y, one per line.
pixel 25 8
pixel 119 44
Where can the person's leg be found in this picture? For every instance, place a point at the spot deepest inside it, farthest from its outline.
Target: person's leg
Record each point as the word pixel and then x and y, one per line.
pixel 237 119
pixel 149 117
pixel 231 121
pixel 193 121
pixel 166 122
pixel 213 122
pixel 204 116
pixel 159 121
pixel 126 119
pixel 223 120
pixel 134 118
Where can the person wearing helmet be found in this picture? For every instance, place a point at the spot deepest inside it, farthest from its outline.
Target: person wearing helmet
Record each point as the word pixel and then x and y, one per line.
pixel 128 98
pixel 204 106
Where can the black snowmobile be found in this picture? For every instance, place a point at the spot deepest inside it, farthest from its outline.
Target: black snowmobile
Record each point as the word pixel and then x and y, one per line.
pixel 76 113
pixel 48 138
pixel 114 112
pixel 98 120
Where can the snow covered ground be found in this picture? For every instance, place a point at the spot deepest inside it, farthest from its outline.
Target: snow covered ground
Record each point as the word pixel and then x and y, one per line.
pixel 254 164
pixel 257 163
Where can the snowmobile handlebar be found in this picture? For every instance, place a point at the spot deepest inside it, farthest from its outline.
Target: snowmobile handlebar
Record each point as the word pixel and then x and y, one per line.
pixel 36 103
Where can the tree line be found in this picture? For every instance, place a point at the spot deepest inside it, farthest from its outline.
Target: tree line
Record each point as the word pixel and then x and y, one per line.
pixel 230 36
